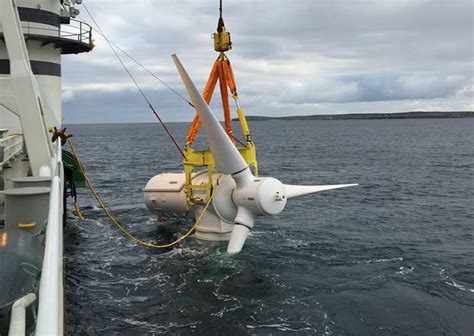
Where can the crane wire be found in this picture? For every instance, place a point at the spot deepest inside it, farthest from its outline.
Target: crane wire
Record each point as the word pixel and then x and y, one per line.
pixel 151 73
pixel 141 65
pixel 136 84
pixel 110 42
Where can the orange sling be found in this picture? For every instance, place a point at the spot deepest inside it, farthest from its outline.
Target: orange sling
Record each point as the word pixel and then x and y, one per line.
pixel 222 71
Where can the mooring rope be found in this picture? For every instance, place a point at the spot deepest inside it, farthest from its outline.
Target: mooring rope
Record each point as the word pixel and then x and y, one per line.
pixel 116 222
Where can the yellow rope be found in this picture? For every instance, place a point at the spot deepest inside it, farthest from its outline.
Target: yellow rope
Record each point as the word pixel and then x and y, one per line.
pixel 114 221
pixel 17 134
pixel 78 211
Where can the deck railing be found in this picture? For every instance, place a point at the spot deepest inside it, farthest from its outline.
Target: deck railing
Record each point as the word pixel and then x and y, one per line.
pixel 76 31
pixel 51 292
pixel 10 146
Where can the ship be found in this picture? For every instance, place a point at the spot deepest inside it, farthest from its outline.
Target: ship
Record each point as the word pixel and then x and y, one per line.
pixel 37 175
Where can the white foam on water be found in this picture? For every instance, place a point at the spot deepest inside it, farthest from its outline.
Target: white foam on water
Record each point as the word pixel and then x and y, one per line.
pixel 454 284
pixel 297 242
pixel 381 260
pixel 451 282
pixel 405 270
pixel 159 328
pixel 225 310
pixel 280 327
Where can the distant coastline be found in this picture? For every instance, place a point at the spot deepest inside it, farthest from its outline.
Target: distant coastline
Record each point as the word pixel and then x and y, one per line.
pixel 355 116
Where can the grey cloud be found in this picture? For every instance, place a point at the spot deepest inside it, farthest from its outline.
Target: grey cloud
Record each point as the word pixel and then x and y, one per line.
pixel 376 87
pixel 288 55
pixel 123 106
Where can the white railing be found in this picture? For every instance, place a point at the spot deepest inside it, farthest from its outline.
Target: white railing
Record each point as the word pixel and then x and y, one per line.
pixel 75 30
pixel 18 317
pixel 51 292
pixel 12 146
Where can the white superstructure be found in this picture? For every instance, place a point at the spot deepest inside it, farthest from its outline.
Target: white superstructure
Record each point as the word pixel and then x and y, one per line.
pixel 33 36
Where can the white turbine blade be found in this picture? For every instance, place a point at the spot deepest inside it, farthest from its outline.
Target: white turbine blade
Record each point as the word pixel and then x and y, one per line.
pixel 237 238
pixel 299 190
pixel 226 155
pixel 243 223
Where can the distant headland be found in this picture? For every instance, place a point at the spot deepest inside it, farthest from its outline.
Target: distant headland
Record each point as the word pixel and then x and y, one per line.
pixel 354 116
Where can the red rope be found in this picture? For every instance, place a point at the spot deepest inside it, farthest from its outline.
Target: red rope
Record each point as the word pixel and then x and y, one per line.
pixel 168 132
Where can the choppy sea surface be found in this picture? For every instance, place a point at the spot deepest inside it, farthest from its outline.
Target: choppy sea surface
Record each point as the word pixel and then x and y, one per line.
pixel 394 256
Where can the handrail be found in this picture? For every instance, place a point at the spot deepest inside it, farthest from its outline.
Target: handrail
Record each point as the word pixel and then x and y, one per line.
pixel 18 316
pixel 11 146
pixel 51 306
pixel 77 30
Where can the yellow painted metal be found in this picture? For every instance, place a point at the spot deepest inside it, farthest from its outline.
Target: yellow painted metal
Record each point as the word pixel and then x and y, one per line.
pixel 243 122
pixel 202 160
pixel 197 159
pixel 26 225
pixel 222 41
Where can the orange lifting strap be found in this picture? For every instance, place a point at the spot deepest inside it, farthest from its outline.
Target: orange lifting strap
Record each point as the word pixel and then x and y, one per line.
pixel 222 71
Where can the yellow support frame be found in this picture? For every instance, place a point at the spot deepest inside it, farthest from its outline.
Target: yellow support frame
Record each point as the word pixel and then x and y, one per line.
pixel 200 161
pixel 204 159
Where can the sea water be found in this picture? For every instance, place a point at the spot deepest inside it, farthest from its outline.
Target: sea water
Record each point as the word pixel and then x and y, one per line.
pixel 393 256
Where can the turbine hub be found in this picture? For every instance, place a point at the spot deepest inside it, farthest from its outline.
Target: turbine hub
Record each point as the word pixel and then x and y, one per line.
pixel 262 196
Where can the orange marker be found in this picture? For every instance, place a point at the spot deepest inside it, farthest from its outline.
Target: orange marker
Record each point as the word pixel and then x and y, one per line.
pixel 4 240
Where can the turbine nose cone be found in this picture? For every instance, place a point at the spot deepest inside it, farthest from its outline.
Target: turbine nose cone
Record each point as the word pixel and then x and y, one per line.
pixel 271 196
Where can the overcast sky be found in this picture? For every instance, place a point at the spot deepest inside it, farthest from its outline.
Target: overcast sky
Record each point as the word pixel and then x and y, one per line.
pixel 290 57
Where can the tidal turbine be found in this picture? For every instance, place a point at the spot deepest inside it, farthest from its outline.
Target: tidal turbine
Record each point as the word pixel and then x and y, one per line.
pixel 240 198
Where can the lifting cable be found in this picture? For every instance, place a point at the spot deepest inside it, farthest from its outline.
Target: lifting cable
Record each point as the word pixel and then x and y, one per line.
pixel 137 86
pixel 117 223
pixel 141 66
